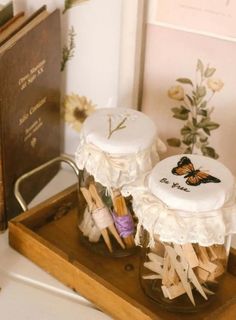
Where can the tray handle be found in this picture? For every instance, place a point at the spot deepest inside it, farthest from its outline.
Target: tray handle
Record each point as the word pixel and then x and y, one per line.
pixel 28 174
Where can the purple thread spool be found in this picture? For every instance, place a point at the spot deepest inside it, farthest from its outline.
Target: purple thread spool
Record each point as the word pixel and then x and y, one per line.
pixel 124 224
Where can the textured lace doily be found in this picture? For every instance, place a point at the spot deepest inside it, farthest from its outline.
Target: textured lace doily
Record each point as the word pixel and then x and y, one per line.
pixel 114 171
pixel 117 145
pixel 205 228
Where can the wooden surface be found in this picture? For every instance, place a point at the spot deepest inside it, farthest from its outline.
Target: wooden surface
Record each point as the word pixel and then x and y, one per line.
pixel 48 235
pixel 232 262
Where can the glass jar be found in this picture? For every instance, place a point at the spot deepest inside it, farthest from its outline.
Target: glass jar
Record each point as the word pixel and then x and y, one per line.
pixel 185 221
pixel 112 153
pixel 181 277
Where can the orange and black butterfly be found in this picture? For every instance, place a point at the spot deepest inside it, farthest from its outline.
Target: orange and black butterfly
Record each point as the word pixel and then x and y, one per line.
pixel 193 177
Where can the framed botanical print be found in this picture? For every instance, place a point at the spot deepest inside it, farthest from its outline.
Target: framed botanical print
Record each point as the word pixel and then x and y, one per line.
pixel 190 75
pixel 189 78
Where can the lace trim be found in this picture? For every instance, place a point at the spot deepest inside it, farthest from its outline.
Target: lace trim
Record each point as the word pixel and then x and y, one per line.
pixel 205 228
pixel 113 170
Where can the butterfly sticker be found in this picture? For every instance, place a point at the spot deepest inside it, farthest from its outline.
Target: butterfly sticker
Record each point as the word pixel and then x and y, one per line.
pixel 193 177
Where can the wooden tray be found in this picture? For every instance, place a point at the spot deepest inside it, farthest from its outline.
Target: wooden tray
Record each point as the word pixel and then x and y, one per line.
pixel 48 235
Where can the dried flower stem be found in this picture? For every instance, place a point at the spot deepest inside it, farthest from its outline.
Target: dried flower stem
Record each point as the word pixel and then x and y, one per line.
pixel 68 50
pixel 118 127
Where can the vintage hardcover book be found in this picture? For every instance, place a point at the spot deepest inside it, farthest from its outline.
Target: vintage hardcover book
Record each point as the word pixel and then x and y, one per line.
pixel 18 22
pixel 6 12
pixel 7 30
pixel 29 108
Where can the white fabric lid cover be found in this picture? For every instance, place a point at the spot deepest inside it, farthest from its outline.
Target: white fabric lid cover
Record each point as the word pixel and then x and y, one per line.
pixel 210 189
pixel 203 213
pixel 118 144
pixel 138 130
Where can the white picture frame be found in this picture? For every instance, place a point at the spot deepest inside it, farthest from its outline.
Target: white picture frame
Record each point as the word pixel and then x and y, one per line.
pixel 131 52
pixel 218 44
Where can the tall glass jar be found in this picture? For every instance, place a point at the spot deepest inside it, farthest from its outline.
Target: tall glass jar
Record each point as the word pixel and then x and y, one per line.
pixel 185 226
pixel 116 146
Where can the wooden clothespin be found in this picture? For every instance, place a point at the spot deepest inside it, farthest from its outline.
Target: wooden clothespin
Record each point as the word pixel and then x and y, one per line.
pixel 156 265
pixel 220 251
pixel 174 279
pixel 173 291
pixel 158 247
pixel 202 274
pixel 204 260
pixel 181 271
pixel 88 198
pixel 152 277
pixel 211 253
pixel 166 267
pixel 189 271
pixel 153 266
pixel 154 257
pixel 100 205
pixel 122 210
pixel 190 255
pixel 92 207
pixel 220 269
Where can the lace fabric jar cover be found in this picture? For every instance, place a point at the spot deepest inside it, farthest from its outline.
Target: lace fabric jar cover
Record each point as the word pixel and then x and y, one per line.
pixel 116 146
pixel 187 213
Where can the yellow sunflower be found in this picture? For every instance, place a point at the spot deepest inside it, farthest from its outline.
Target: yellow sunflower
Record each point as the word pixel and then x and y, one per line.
pixel 76 109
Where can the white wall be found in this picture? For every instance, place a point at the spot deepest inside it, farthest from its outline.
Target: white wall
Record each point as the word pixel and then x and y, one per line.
pixel 93 71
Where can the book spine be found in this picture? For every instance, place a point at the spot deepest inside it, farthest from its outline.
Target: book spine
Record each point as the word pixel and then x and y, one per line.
pixel 3 218
pixel 3 223
pixel 6 13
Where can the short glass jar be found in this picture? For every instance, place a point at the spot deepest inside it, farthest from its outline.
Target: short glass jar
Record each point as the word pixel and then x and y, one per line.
pixel 185 222
pixel 116 146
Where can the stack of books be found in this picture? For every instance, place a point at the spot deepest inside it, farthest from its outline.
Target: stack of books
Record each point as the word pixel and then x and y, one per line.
pixel 29 102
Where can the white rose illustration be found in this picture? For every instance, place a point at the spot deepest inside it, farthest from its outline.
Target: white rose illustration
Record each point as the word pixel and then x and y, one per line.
pixel 215 84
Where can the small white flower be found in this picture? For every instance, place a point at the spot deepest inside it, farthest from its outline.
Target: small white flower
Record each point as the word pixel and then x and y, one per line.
pixel 215 84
